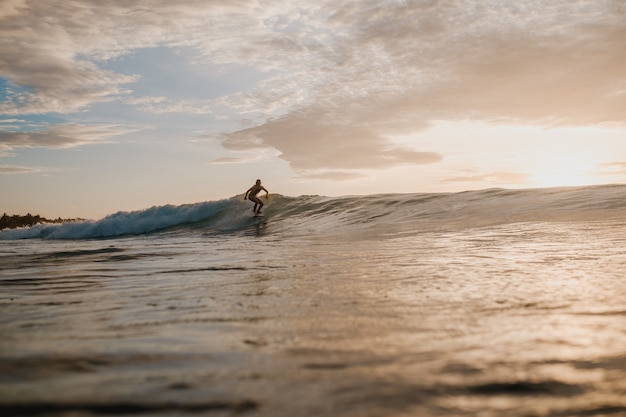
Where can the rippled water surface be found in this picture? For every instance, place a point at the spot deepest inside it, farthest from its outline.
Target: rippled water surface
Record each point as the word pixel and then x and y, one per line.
pixel 520 319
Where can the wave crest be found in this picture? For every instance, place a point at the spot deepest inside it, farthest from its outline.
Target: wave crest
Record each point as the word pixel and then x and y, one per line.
pixel 385 213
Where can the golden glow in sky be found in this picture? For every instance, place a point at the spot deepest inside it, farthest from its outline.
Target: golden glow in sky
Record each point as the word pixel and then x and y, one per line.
pixel 562 167
pixel 108 106
pixel 571 157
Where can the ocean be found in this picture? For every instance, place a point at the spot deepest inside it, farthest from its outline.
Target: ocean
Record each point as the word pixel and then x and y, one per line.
pixel 481 303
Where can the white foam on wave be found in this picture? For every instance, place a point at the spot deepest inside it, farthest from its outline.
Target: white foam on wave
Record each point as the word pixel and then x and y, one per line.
pixel 123 223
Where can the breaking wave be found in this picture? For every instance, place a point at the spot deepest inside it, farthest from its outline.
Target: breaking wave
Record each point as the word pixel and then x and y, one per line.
pixel 380 214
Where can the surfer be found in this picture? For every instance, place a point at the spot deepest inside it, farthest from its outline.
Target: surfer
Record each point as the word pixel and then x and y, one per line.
pixel 251 195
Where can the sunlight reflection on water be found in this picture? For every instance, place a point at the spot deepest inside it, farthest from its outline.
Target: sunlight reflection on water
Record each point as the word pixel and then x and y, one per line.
pixel 522 319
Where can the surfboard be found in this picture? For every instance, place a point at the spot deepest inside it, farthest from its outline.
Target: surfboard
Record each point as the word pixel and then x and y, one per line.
pixel 257 215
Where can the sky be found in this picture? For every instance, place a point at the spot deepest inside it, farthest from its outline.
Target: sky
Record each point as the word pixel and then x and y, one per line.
pixel 117 106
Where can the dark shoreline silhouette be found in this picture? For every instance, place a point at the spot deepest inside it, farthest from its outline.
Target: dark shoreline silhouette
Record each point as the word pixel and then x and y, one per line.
pixel 15 221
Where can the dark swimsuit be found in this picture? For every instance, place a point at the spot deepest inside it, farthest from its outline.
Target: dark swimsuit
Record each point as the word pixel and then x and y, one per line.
pixel 254 191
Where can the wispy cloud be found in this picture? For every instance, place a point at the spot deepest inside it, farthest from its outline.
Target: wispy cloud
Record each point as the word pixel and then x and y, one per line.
pixel 61 136
pixel 330 175
pixel 613 168
pixel 16 169
pixel 496 178
pixel 232 160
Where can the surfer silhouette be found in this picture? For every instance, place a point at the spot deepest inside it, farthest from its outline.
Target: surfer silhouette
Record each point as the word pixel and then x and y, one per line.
pixel 251 195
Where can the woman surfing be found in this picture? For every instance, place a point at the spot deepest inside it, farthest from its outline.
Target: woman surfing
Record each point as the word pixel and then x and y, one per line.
pixel 251 195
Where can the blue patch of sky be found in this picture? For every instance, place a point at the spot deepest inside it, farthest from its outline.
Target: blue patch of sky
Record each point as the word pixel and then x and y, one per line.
pixel 7 87
pixel 29 123
pixel 10 92
pixel 175 74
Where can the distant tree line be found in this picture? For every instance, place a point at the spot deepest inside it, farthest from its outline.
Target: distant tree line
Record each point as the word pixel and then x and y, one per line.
pixel 15 221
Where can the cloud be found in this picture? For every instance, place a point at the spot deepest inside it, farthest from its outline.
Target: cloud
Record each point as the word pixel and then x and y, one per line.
pixel 312 139
pixel 614 164
pixel 612 168
pixel 331 175
pixel 61 136
pixel 233 160
pixel 395 70
pixel 342 78
pixel 51 52
pixel 499 177
pixel 15 169
pixel 457 53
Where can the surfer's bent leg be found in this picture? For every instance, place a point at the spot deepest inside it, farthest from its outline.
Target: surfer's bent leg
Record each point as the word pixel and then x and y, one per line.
pixel 257 203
